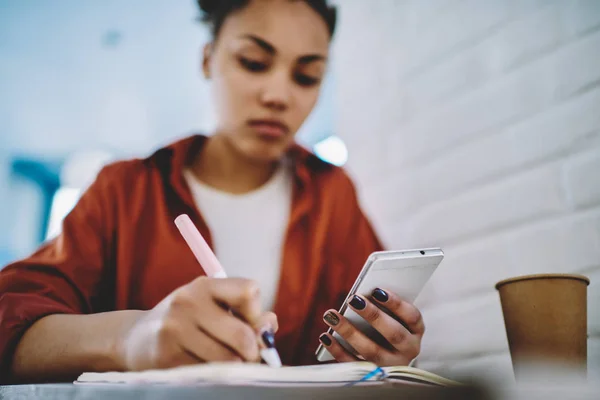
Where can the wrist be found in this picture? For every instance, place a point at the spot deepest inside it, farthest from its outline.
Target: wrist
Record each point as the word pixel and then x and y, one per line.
pixel 116 351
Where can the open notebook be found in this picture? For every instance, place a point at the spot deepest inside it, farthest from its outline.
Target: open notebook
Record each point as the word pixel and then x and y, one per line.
pixel 237 373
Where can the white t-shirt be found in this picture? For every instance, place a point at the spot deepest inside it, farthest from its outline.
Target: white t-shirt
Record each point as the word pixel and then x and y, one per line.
pixel 248 230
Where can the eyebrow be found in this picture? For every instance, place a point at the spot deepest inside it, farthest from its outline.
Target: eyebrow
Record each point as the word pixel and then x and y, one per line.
pixel 268 47
pixel 310 58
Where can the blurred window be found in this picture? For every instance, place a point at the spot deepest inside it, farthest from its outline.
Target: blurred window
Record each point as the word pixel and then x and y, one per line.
pixel 333 150
pixel 63 202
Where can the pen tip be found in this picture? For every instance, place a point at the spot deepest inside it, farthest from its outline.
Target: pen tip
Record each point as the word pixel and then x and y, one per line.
pixel 271 357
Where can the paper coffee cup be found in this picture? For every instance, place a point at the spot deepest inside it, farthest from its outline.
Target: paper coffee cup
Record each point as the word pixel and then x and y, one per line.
pixel 545 317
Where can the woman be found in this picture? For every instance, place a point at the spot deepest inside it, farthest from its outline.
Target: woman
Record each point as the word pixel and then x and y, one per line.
pixel 119 289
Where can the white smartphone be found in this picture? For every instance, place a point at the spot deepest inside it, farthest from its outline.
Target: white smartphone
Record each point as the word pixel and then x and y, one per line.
pixel 404 272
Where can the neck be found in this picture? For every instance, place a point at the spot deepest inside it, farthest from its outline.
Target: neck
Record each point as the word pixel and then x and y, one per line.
pixel 224 168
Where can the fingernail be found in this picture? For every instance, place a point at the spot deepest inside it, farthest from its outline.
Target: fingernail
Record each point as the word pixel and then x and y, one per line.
pixel 326 340
pixel 380 295
pixel 268 338
pixel 358 303
pixel 331 318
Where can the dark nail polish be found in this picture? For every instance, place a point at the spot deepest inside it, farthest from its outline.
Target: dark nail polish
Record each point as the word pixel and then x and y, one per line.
pixel 380 295
pixel 268 338
pixel 358 303
pixel 331 319
pixel 326 340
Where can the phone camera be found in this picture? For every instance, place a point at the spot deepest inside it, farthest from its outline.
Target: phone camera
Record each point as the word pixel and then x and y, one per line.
pixel 422 252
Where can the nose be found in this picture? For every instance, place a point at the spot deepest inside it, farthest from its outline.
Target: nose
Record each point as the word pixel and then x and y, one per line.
pixel 276 94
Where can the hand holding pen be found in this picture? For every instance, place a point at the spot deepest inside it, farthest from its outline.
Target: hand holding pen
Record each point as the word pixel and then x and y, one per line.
pixel 212 267
pixel 191 325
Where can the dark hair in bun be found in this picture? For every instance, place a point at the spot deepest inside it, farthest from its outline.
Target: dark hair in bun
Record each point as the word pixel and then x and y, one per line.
pixel 214 12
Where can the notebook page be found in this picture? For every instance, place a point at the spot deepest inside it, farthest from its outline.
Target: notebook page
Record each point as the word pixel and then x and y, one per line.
pixel 238 372
pixel 411 373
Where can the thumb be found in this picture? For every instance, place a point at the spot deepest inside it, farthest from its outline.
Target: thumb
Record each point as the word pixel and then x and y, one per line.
pixel 268 321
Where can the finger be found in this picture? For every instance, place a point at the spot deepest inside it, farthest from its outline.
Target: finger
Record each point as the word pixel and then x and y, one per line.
pixel 179 357
pixel 393 331
pixel 227 329
pixel 368 349
pixel 335 349
pixel 265 329
pixel 242 295
pixel 404 310
pixel 199 344
pixel 268 320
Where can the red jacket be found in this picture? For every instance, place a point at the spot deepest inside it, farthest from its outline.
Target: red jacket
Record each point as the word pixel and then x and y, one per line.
pixel 119 249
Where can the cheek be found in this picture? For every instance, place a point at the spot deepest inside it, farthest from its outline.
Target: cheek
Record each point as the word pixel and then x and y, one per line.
pixel 232 91
pixel 305 102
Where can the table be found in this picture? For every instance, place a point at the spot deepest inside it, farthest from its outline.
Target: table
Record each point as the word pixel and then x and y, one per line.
pixel 69 391
pixel 172 392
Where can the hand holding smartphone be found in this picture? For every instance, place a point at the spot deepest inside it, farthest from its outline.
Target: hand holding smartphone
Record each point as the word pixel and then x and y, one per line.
pixel 402 272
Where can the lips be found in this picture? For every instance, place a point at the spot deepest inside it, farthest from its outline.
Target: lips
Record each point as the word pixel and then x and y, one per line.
pixel 269 128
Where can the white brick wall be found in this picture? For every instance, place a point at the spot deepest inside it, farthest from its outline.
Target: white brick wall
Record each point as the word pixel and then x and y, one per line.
pixel 475 125
pixel 582 192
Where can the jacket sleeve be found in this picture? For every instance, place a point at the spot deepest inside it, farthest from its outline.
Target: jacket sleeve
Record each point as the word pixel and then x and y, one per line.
pixel 63 276
pixel 355 238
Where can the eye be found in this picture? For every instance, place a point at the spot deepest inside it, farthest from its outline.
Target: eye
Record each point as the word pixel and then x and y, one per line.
pixel 305 80
pixel 253 66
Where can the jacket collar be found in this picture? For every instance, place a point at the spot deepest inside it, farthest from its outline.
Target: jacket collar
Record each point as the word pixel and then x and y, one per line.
pixel 180 154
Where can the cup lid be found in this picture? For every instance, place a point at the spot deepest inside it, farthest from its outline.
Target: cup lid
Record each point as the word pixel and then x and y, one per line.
pixel 543 276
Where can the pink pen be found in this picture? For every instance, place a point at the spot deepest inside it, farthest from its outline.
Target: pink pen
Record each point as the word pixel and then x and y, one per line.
pixel 213 269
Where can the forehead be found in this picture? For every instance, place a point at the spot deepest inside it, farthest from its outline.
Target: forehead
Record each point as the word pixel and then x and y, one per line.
pixel 291 26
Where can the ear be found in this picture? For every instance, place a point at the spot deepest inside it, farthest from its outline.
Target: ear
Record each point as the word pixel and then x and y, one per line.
pixel 206 56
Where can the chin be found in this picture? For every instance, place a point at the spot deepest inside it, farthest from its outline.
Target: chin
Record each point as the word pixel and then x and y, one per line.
pixel 262 155
pixel 260 151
